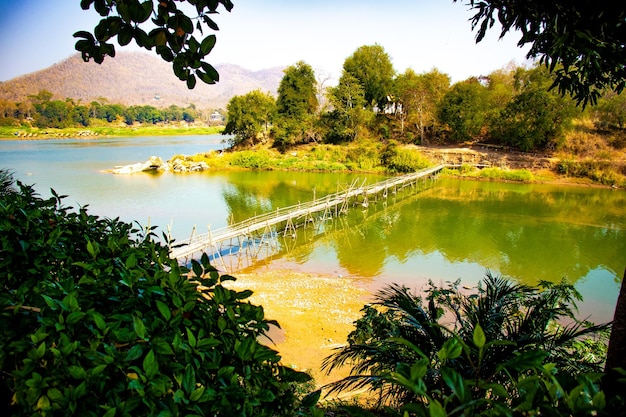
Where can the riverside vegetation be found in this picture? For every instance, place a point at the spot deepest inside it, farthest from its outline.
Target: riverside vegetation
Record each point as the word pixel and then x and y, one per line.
pixel 510 118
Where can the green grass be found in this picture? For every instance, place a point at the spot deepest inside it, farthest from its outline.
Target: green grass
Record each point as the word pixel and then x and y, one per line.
pixel 9 132
pixel 493 174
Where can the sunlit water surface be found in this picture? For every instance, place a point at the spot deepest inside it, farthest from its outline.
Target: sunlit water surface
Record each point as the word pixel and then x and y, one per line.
pixel 440 231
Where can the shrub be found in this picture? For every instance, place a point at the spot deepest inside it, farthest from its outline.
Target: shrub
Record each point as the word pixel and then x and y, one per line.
pixel 428 336
pixel 96 319
pixel 406 160
pixel 252 159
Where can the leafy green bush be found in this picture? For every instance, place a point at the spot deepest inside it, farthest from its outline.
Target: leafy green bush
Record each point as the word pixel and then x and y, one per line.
pixel 252 159
pixel 530 386
pixel 96 319
pixel 406 160
pixel 428 335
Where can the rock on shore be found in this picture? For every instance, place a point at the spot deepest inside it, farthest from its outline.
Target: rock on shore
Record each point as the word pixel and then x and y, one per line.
pixel 156 164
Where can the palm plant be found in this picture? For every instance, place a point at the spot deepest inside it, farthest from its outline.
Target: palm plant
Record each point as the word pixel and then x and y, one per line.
pixel 402 327
pixel 6 182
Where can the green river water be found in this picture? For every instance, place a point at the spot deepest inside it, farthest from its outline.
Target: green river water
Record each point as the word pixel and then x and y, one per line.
pixel 445 230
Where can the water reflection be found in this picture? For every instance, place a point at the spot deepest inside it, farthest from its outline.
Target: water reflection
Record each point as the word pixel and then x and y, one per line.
pixel 458 229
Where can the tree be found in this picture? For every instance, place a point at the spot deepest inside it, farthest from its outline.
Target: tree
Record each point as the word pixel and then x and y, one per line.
pixel 171 33
pixel 581 41
pixel 296 105
pixel 348 115
pixel 612 110
pixel 421 96
pixel 535 118
pixel 249 117
pixel 372 67
pixel 463 109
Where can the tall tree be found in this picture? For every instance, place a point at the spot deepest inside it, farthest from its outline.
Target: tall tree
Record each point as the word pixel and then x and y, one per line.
pixel 464 109
pixel 249 117
pixel 348 115
pixel 535 118
pixel 371 65
pixel 421 96
pixel 585 37
pixel 296 105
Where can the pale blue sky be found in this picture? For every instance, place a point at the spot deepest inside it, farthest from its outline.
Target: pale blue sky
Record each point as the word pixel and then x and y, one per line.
pixel 420 34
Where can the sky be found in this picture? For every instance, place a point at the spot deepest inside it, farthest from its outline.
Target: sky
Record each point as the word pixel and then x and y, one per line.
pixel 258 34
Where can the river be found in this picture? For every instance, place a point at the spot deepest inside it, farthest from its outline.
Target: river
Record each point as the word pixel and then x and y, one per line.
pixel 448 230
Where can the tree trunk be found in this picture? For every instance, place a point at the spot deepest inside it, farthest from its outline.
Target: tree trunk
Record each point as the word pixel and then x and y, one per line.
pixel 616 354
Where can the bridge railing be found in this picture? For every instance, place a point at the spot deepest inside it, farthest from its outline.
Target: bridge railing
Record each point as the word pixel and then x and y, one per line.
pixel 299 210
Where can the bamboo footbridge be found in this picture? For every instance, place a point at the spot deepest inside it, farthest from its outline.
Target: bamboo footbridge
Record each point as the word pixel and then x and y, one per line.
pixel 261 230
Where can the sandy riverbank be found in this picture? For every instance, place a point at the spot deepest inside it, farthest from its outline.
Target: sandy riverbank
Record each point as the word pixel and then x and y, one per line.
pixel 316 314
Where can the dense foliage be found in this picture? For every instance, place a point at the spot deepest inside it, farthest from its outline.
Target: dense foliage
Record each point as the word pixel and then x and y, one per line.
pixel 581 41
pixel 42 111
pixel 249 118
pixel 473 351
pixel 171 33
pixel 96 319
pixel 296 106
pixel 372 67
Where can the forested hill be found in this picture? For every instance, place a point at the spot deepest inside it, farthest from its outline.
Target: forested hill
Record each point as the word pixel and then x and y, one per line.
pixel 136 78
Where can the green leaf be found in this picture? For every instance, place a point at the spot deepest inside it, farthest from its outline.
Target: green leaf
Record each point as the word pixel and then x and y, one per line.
pixel 451 349
pixel 150 365
pixel 162 347
pixel 92 248
pixel 454 380
pixel 54 394
pixel 197 393
pixel 98 319
pixel 189 379
pixel 207 44
pixel 191 81
pixel 435 409
pixel 311 399
pixel 139 327
pixel 74 317
pixel 191 338
pixel 77 372
pixel 196 268
pixel 97 370
pixel 51 303
pixel 41 350
pixel 215 76
pixel 131 261
pixel 43 403
pixel 478 337
pixel 134 352
pixel 110 412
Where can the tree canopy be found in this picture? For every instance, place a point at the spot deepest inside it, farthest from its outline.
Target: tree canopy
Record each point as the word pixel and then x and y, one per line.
pixel 372 67
pixel 580 41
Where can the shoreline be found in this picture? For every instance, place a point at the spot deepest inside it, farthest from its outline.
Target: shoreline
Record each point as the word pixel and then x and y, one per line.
pixel 295 300
pixel 540 166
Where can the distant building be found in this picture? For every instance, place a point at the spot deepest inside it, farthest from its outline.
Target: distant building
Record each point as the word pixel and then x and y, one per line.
pixel 216 117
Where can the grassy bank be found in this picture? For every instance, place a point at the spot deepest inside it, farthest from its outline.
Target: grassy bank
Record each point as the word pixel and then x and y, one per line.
pixel 12 132
pixel 363 157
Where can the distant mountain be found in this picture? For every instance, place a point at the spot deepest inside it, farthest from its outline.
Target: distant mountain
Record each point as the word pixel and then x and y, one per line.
pixel 137 78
